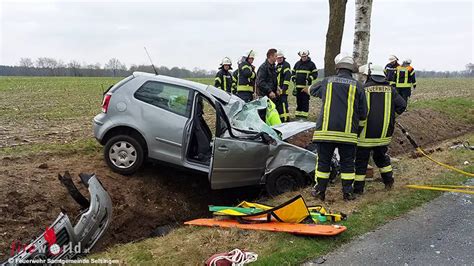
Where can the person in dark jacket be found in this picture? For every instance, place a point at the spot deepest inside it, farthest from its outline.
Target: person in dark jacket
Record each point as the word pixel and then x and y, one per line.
pixel 391 69
pixel 304 74
pixel 343 110
pixel 283 81
pixel 267 77
pixel 224 80
pixel 246 77
pixel 383 102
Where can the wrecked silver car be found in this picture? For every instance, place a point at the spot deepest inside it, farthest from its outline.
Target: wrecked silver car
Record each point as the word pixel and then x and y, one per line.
pixel 63 240
pixel 199 127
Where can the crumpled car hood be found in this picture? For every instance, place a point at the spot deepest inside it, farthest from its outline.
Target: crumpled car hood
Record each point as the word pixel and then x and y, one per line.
pixel 244 116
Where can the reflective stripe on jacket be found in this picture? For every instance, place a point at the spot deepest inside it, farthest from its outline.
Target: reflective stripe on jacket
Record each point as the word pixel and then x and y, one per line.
pixel 223 80
pixel 304 73
pixel 284 76
pixel 344 108
pixel 383 102
pixel 405 77
pixel 246 77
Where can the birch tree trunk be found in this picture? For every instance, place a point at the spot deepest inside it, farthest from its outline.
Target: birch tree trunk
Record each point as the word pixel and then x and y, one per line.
pixel 337 14
pixel 363 10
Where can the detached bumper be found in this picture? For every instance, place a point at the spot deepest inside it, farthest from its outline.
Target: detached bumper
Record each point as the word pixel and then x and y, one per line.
pixel 63 240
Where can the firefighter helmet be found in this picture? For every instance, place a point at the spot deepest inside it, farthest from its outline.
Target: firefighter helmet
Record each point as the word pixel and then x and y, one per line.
pixel 303 53
pixel 226 61
pixel 344 60
pixel 392 58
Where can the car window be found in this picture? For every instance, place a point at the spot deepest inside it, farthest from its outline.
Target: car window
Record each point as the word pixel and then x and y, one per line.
pixel 170 97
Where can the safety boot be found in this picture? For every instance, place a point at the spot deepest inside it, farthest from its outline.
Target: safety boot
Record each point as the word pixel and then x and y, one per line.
pixel 319 190
pixel 388 180
pixel 347 190
pixel 359 187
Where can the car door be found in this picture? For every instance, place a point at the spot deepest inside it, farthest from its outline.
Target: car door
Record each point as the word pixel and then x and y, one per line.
pixel 165 111
pixel 237 162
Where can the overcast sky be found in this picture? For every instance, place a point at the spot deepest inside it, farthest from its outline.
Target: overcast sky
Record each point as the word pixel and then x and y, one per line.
pixel 436 35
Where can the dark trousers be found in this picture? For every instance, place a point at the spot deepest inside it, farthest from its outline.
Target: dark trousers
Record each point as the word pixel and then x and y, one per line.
pixel 347 154
pixel 405 93
pixel 302 104
pixel 247 96
pixel 281 103
pixel 381 159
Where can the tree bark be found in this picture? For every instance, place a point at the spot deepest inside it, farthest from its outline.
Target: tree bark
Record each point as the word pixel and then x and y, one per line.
pixel 362 31
pixel 337 14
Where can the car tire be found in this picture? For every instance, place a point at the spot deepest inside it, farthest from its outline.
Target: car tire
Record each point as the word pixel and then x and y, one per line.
pixel 284 179
pixel 124 154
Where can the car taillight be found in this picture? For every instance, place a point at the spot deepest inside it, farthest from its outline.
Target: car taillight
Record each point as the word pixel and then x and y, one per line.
pixel 105 102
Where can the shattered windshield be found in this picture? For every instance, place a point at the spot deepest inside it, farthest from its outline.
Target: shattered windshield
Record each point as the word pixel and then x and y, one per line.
pixel 244 116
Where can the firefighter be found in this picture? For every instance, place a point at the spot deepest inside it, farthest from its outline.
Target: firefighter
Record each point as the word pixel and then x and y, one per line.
pixel 283 80
pixel 343 110
pixel 223 78
pixel 304 74
pixel 391 69
pixel 246 77
pixel 383 104
pixel 405 79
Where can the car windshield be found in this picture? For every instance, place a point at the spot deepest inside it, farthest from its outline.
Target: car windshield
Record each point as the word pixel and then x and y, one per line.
pixel 244 116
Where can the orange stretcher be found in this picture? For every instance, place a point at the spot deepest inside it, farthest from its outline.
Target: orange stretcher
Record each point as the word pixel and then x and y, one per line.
pixel 297 229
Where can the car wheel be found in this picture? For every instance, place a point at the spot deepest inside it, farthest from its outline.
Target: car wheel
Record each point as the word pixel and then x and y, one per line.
pixel 124 154
pixel 284 179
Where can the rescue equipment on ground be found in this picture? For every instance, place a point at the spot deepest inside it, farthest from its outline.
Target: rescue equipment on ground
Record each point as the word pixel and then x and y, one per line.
pixel 234 257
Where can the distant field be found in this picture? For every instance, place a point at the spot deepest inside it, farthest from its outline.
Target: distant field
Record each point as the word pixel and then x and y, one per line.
pixel 47 111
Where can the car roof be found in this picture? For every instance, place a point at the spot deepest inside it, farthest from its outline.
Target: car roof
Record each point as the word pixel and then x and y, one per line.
pixel 187 83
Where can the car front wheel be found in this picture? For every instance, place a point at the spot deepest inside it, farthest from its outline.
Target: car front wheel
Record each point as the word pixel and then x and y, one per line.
pixel 124 154
pixel 284 179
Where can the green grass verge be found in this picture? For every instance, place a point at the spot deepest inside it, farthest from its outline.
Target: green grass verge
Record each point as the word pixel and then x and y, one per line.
pixel 458 108
pixel 82 146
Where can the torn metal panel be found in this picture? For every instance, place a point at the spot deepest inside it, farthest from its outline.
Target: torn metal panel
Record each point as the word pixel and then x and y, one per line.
pixel 285 154
pixel 63 240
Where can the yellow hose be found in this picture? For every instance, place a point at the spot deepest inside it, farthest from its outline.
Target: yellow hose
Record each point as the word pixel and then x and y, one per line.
pixel 444 188
pixel 420 150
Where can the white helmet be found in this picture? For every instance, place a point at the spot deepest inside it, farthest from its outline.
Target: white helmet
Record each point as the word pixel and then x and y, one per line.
pixel 344 60
pixel 303 53
pixel 392 58
pixel 280 54
pixel 226 61
pixel 407 61
pixel 376 72
pixel 249 54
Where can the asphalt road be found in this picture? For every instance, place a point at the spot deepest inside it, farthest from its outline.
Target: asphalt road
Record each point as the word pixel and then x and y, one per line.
pixel 440 232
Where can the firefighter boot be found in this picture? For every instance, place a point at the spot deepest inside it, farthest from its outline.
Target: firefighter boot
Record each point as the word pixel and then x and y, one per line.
pixel 359 187
pixel 388 180
pixel 319 190
pixel 347 190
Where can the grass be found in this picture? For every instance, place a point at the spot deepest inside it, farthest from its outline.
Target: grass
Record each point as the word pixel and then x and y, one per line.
pixel 456 107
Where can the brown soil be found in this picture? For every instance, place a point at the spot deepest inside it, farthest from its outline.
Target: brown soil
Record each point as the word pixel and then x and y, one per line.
pixel 427 127
pixel 158 195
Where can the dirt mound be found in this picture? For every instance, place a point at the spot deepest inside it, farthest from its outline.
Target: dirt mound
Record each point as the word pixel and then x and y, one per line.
pixel 158 195
pixel 427 127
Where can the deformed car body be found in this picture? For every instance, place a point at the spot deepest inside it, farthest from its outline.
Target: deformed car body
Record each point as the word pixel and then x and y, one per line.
pixel 63 240
pixel 148 116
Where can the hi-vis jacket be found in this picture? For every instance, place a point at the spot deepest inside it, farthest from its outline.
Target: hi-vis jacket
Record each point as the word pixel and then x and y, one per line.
pixel 383 102
pixel 405 77
pixel 246 77
pixel 223 80
pixel 344 108
pixel 390 71
pixel 284 76
pixel 304 73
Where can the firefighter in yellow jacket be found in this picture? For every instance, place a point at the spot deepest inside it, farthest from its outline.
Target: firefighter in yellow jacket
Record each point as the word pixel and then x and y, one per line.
pixel 383 104
pixel 343 111
pixel 405 79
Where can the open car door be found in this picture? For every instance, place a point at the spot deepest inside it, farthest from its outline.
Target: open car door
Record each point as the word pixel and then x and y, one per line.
pixel 237 162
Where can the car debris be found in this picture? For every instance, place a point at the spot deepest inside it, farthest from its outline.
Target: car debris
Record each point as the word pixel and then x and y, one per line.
pixel 63 240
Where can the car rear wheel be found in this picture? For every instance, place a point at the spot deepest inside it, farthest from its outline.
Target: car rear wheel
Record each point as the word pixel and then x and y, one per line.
pixel 124 154
pixel 284 179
